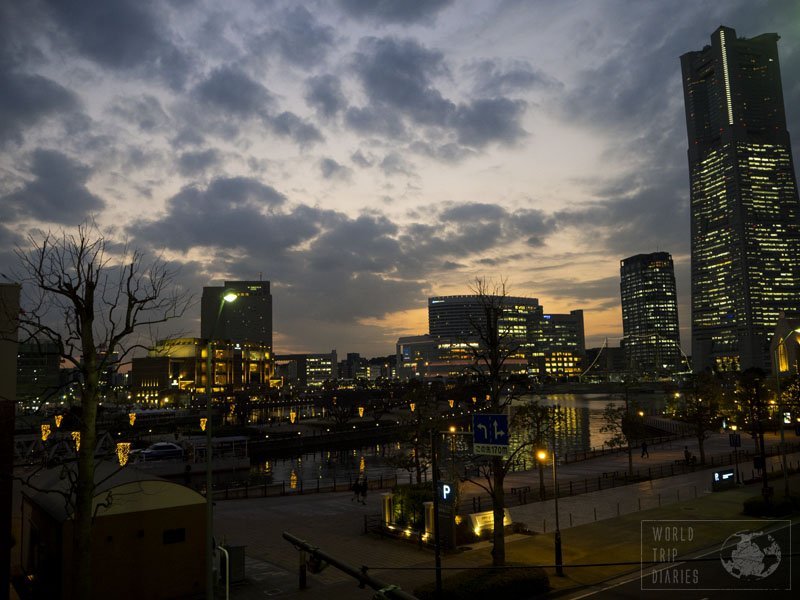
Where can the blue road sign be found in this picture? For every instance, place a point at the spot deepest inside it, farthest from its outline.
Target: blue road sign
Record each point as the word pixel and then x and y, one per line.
pixel 490 434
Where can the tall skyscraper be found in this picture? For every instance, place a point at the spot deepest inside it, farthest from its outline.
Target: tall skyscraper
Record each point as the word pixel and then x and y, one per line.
pixel 744 206
pixel 650 313
pixel 247 319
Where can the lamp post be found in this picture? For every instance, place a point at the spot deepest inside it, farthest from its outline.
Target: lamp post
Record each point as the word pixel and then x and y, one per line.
pixel 542 456
pixel 228 297
pixel 780 408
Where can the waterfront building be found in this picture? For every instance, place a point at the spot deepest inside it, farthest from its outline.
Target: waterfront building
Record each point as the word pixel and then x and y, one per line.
pixel 561 345
pixel 745 238
pixel 307 370
pixel 650 313
pixel 246 319
pixel 174 370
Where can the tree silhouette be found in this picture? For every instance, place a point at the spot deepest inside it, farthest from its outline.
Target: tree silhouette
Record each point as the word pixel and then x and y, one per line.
pixel 93 299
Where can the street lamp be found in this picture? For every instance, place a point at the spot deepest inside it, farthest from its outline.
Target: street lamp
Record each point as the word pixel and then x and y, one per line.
pixel 542 456
pixel 778 346
pixel 227 297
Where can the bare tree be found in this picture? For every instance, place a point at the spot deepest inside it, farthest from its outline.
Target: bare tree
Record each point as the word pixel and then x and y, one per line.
pixel 494 345
pixel 624 425
pixel 700 407
pixel 91 298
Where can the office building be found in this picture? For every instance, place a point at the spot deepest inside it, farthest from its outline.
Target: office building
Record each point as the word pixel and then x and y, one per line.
pixel 561 346
pixel 650 313
pixel 247 318
pixel 745 238
pixel 307 370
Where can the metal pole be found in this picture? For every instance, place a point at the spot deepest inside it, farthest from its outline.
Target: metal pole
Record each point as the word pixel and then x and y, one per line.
pixel 209 483
pixel 437 551
pixel 780 418
pixel 559 561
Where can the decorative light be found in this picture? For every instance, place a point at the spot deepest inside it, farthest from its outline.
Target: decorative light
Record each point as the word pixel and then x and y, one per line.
pixel 474 400
pixel 58 419
pixel 45 432
pixel 132 418
pixel 412 406
pixel 488 397
pixel 292 416
pixel 123 450
pixel 360 411
pixel 76 437
pixel 362 465
pixel 293 480
pixel 451 402
pixel 203 423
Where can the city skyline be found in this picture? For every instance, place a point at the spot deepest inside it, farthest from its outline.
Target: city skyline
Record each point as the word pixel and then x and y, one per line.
pixel 363 158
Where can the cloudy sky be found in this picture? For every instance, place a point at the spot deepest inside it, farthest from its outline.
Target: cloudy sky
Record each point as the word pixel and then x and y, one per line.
pixel 363 155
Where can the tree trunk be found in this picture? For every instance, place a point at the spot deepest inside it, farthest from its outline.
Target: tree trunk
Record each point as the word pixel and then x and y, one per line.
pixel 84 493
pixel 498 509
pixel 701 443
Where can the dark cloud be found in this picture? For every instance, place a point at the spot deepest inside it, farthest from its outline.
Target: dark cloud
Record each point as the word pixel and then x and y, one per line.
pixel 194 163
pixel 391 11
pixel 26 99
pixel 290 125
pixel 473 211
pixel 299 38
pixel 398 76
pixel 144 111
pixel 56 194
pixel 133 35
pixel 359 159
pixel 496 78
pixel 600 293
pixel 229 213
pixel 331 169
pixel 324 94
pixel 369 120
pixel 394 164
pixel 492 120
pixel 232 91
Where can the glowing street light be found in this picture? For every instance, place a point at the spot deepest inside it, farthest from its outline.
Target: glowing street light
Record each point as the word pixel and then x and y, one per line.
pixel 228 297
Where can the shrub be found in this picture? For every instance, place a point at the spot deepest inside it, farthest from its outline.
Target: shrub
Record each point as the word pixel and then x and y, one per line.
pixel 755 506
pixel 520 581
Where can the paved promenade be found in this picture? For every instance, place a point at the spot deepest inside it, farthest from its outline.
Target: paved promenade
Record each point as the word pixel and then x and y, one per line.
pixel 334 523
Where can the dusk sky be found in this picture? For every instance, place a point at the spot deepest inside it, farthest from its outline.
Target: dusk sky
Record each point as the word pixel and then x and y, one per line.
pixel 363 155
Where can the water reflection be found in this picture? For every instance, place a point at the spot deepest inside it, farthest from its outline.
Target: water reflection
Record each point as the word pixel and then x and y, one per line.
pixel 579 431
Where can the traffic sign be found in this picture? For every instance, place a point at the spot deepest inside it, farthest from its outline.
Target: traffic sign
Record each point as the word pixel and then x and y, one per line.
pixel 490 434
pixel 447 492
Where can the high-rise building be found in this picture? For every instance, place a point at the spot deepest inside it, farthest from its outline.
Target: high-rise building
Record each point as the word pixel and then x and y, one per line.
pixel 744 205
pixel 650 313
pixel 248 318
pixel 562 344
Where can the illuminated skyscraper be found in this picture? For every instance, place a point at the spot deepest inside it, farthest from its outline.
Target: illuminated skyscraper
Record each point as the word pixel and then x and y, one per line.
pixel 247 319
pixel 650 312
pixel 744 206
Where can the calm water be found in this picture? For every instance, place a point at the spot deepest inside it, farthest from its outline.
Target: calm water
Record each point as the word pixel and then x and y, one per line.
pixel 581 432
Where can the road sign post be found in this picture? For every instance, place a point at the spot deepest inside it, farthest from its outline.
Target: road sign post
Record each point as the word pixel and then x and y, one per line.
pixel 490 435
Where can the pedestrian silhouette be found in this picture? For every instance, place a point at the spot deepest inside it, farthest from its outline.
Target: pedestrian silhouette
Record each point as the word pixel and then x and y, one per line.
pixel 645 453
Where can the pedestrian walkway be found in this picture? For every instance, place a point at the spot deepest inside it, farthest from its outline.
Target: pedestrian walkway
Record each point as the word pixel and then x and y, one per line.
pixel 335 524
